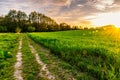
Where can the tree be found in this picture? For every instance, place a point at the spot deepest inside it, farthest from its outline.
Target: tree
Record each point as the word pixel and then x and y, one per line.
pixel 12 15
pixel 3 29
pixel 31 29
pixel 21 16
pixel 17 21
pixel 33 17
pixel 64 26
pixel 10 20
pixel 21 20
pixel 18 30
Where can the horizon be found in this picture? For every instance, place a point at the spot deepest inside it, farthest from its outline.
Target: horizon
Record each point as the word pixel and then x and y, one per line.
pixel 73 12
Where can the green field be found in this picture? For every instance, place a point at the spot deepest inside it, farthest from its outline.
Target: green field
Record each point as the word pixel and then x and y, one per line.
pixel 8 47
pixel 59 40
pixel 80 54
pixel 92 52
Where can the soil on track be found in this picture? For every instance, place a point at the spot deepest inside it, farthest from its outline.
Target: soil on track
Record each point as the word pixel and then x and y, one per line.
pixel 18 64
pixel 44 72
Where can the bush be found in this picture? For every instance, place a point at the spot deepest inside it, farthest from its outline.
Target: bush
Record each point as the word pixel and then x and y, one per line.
pixel 31 29
pixel 3 29
pixel 5 54
pixel 18 30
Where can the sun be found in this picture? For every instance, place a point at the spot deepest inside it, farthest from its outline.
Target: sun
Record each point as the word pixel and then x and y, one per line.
pixel 112 18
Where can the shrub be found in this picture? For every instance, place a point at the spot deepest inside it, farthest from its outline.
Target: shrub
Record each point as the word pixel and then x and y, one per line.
pixel 5 54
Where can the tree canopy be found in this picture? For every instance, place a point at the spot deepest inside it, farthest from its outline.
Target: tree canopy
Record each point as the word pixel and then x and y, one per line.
pixel 34 22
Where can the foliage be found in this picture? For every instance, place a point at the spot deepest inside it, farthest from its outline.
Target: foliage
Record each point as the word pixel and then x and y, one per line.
pixel 18 30
pixel 3 29
pixel 35 21
pixel 5 54
pixel 31 29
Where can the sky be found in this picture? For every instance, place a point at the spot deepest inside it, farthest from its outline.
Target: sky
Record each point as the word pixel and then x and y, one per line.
pixel 73 12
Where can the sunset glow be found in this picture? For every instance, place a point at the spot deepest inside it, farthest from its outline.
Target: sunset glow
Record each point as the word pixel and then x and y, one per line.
pixel 73 12
pixel 107 18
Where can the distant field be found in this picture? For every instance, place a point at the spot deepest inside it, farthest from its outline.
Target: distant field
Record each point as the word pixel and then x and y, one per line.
pixel 93 52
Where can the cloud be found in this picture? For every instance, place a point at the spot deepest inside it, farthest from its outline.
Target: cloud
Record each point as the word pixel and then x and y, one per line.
pixel 101 4
pixel 80 5
pixel 69 11
pixel 61 2
pixel 51 2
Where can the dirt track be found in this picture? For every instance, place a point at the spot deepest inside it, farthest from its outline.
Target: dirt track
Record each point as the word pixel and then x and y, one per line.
pixel 18 64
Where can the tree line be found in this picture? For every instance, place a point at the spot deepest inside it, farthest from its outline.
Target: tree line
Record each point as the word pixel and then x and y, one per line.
pixel 19 21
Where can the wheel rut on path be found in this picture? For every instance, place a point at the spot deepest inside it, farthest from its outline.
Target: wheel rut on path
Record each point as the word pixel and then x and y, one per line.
pixel 18 64
pixel 54 65
pixel 44 72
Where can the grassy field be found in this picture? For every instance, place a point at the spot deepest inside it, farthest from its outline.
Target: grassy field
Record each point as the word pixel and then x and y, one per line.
pixel 8 49
pixel 30 67
pixel 93 52
pixel 76 54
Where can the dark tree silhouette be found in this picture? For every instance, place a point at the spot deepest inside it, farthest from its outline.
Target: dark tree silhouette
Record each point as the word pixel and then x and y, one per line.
pixel 35 21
